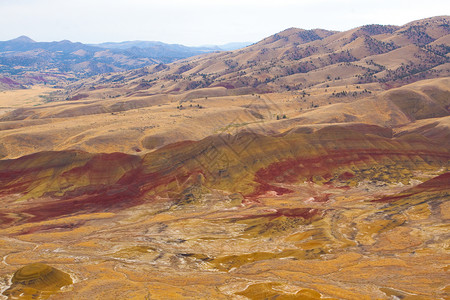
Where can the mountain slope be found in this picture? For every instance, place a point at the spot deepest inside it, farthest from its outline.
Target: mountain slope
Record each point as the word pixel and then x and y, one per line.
pixel 23 56
pixel 84 60
pixel 296 59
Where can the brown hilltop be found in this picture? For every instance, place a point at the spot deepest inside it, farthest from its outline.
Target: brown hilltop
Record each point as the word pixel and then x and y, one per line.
pixel 36 280
pixel 296 59
pixel 295 36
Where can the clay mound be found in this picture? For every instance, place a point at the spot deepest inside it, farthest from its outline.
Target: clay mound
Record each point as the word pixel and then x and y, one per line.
pixel 37 280
pixel 41 276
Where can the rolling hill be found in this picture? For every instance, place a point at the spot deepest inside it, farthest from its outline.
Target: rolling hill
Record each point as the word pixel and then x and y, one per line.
pixel 297 59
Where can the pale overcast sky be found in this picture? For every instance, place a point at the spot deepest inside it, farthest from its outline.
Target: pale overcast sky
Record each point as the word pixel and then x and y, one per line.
pixel 198 22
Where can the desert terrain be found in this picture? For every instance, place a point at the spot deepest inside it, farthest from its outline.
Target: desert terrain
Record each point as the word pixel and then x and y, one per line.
pixel 313 164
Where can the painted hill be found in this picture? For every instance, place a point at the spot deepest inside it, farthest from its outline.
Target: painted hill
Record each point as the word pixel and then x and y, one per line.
pixel 248 163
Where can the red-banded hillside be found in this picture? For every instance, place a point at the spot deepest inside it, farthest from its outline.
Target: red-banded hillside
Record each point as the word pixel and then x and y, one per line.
pixel 246 163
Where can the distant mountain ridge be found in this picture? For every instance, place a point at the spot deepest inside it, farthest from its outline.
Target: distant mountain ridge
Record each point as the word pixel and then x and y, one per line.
pixel 154 44
pixel 26 61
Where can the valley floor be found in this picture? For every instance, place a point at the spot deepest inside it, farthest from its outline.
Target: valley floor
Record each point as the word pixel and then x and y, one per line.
pixel 320 242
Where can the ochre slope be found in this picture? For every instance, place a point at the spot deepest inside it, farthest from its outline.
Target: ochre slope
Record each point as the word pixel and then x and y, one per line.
pixel 247 163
